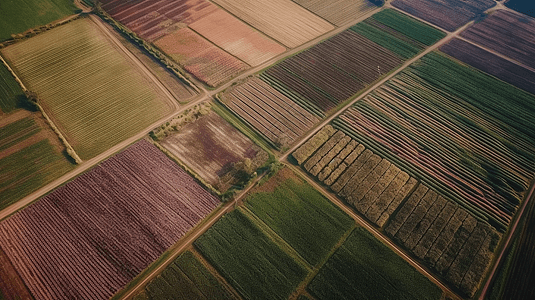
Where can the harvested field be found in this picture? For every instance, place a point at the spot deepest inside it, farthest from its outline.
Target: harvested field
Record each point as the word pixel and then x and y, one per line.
pixel 507 33
pixel 276 116
pixel 331 72
pixel 237 38
pixel 21 15
pixel 491 64
pixel 466 133
pixel 282 20
pixel 249 259
pixel 10 91
pixel 90 237
pixel 198 56
pixel 522 6
pixel 364 268
pixel 446 14
pixel 300 215
pixel 94 94
pixel 214 155
pixel 338 12
pixel 186 278
pixel 411 212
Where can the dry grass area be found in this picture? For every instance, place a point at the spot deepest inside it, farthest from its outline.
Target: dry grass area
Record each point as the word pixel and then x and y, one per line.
pixel 338 12
pixel 237 38
pixel 283 20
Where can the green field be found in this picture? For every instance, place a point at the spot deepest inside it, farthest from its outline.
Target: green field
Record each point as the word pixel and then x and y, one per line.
pixel 93 93
pixel 17 16
pixel 398 33
pixel 250 261
pixel 302 216
pixel 364 268
pixel 185 279
pixel 17 131
pixel 28 169
pixel 10 90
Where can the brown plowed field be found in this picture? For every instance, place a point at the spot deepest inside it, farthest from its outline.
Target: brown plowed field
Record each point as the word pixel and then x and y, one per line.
pixel 338 12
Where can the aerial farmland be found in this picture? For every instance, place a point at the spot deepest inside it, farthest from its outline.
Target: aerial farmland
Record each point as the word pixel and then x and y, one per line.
pixel 283 149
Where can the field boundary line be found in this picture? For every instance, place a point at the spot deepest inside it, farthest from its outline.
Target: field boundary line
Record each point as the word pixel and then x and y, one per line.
pixel 376 233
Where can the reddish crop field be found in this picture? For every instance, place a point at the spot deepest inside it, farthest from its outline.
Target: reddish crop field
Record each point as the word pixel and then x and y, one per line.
pixel 446 14
pixel 507 33
pixel 207 62
pixel 491 64
pixel 92 236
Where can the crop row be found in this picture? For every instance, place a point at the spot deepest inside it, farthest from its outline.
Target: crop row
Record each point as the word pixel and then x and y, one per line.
pixel 248 259
pixel 93 235
pixel 507 33
pixel 93 93
pixel 338 12
pixel 413 214
pixel 447 14
pixel 364 268
pixel 491 64
pixel 474 144
pixel 15 132
pixel 10 91
pixel 185 278
pixel 282 20
pixel 334 70
pixel 269 111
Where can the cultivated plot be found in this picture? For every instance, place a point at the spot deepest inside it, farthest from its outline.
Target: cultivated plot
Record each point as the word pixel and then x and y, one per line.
pixel 364 268
pixel 283 20
pixel 507 33
pixel 491 63
pixel 446 14
pixel 94 94
pixel 90 237
pixel 338 12
pixel 275 115
pixel 18 16
pixel 410 211
pixel 214 149
pixel 525 7
pixel 11 93
pixel 331 72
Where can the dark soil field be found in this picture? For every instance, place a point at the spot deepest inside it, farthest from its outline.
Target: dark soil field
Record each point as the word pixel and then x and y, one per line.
pixel 211 147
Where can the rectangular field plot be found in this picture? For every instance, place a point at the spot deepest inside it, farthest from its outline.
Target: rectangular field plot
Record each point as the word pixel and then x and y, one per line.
pixel 18 16
pixel 212 28
pixel 507 33
pixel 269 111
pixel 212 147
pixel 198 56
pixel 249 259
pixel 300 215
pixel 364 268
pixel 413 213
pixel 282 20
pixel 462 130
pixel 338 12
pixel 525 7
pixel 185 279
pixel 90 237
pixel 491 64
pixel 446 14
pixel 331 72
pixel 10 91
pixel 95 95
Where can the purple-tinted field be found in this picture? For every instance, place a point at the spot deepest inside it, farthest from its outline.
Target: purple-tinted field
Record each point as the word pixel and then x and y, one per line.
pixel 491 64
pixel 507 33
pixel 92 236
pixel 447 14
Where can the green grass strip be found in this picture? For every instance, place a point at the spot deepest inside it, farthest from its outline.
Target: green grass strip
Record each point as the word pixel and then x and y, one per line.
pixel 394 44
